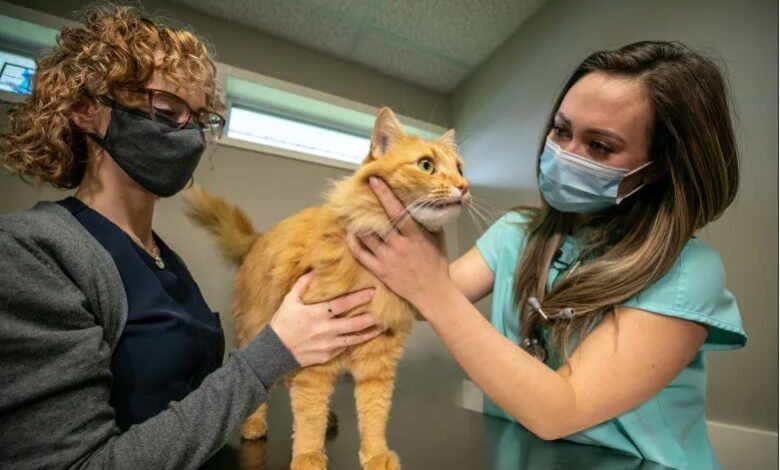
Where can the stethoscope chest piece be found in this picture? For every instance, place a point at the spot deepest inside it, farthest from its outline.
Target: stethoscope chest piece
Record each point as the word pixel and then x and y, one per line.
pixel 535 348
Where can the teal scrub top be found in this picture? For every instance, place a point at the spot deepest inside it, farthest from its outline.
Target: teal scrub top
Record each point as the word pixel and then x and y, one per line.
pixel 669 428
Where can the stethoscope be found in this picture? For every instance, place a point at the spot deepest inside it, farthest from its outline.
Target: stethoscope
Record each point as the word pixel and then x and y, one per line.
pixel 536 346
pixel 563 314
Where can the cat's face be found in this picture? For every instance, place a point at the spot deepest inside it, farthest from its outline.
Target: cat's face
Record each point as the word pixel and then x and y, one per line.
pixel 427 176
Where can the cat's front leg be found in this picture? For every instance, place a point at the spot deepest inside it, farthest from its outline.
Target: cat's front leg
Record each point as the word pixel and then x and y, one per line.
pixel 310 391
pixel 374 382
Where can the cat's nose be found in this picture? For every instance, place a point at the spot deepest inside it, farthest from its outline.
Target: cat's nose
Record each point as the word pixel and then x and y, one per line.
pixel 463 187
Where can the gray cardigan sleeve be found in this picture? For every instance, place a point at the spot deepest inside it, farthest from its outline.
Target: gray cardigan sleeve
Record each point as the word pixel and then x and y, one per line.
pixel 55 368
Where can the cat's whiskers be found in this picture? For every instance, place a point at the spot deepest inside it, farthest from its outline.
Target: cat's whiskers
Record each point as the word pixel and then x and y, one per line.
pixel 485 204
pixel 477 224
pixel 482 211
pixel 482 216
pixel 395 221
pixel 381 226
pixel 486 207
pixel 433 211
pixel 478 212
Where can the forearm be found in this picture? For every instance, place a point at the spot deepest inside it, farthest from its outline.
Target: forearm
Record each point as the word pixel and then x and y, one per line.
pixel 190 431
pixel 539 398
pixel 474 288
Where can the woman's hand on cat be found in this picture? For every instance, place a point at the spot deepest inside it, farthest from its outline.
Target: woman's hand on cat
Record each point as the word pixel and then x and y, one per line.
pixel 315 333
pixel 411 261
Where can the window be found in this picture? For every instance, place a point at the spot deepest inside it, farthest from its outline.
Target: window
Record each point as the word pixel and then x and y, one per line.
pixel 280 118
pixel 275 131
pixel 16 72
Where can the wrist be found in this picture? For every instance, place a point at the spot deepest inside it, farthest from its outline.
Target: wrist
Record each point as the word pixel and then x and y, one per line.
pixel 433 296
pixel 282 335
pixel 269 357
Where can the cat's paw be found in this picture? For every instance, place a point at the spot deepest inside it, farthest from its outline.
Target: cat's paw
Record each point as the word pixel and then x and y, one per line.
pixel 310 461
pixel 254 428
pixel 386 461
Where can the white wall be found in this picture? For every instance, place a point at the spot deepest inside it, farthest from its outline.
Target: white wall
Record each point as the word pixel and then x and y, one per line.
pixel 500 113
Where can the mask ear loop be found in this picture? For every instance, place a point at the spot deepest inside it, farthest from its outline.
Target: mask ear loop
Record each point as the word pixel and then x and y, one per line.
pixel 94 136
pixel 100 140
pixel 620 199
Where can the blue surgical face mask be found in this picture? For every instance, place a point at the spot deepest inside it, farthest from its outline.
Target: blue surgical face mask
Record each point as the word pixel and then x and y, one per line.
pixel 571 183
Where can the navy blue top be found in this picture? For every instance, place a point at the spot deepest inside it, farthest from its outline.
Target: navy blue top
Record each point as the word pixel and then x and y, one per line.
pixel 171 340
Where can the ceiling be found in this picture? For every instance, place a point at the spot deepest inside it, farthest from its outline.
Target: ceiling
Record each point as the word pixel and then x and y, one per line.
pixel 432 43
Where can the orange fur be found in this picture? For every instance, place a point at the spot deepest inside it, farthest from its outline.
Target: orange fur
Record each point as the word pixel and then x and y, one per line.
pixel 314 239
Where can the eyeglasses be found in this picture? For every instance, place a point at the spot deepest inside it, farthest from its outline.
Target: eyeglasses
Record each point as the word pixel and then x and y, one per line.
pixel 169 111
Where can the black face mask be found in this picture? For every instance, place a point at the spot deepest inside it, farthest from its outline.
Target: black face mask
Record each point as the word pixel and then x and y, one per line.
pixel 162 160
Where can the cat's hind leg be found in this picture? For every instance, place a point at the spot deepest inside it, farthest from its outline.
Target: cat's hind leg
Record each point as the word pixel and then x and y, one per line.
pixel 255 425
pixel 310 392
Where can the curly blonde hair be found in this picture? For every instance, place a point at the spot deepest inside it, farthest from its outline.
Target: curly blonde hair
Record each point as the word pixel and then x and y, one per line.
pixel 114 46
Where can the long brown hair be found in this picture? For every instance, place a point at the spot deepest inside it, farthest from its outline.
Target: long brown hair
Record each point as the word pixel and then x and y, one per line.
pixel 628 247
pixel 114 46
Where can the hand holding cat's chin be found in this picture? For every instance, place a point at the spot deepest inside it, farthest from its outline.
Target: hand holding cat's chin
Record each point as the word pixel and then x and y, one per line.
pixel 410 260
pixel 413 264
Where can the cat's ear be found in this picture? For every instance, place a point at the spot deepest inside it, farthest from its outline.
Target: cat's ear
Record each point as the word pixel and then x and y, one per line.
pixel 449 139
pixel 387 130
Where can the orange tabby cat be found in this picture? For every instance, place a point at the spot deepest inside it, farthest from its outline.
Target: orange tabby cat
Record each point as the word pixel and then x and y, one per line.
pixel 427 178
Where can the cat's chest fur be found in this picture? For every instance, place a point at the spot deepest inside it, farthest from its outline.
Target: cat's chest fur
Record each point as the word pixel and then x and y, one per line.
pixel 337 272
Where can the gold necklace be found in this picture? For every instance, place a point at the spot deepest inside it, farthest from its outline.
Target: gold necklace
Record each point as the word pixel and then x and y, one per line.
pixel 154 252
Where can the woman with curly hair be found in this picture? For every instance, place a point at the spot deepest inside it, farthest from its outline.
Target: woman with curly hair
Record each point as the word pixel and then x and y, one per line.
pixel 109 355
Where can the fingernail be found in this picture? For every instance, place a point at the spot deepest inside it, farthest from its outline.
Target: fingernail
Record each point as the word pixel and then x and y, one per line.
pixel 373 180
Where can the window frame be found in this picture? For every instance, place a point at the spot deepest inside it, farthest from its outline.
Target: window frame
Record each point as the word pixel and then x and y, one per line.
pixel 226 72
pixel 281 151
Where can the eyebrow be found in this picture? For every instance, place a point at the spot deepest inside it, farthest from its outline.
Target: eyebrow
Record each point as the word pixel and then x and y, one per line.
pixel 597 131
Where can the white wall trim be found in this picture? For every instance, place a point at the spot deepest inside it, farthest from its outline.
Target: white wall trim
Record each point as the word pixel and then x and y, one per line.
pixel 742 447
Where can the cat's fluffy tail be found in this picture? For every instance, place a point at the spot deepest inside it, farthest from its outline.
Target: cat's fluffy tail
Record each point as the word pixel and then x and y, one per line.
pixel 232 228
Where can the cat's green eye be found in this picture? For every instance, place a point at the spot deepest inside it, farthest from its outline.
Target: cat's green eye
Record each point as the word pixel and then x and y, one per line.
pixel 426 166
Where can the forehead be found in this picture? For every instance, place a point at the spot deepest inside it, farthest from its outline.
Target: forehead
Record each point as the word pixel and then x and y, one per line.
pixel 416 148
pixel 194 96
pixel 444 153
pixel 609 102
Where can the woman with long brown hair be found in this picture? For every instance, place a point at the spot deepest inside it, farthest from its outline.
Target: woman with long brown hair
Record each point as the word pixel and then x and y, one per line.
pixel 604 300
pixel 109 355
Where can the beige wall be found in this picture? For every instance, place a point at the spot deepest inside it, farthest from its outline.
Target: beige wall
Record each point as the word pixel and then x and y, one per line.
pixel 245 48
pixel 269 187
pixel 501 109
